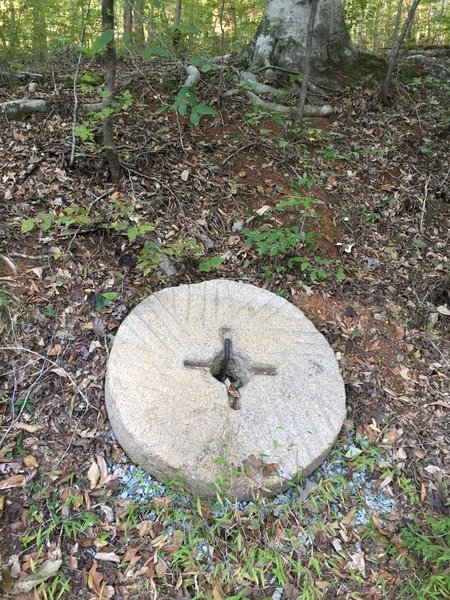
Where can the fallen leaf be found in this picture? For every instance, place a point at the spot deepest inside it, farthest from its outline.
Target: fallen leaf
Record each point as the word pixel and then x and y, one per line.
pixel 217 595
pixel 60 372
pixel 252 465
pixel 93 475
pixel 101 462
pixel 386 481
pixel 48 569
pixel 13 482
pixel 29 428
pixel 357 563
pixel 401 454
pixel 31 461
pixel 185 174
pixel 431 469
pixel 423 492
pixel 348 519
pixel 130 554
pixel 336 543
pixel 95 579
pixel 443 310
pixel 107 556
pixel 160 567
pixel 380 527
pixel 144 528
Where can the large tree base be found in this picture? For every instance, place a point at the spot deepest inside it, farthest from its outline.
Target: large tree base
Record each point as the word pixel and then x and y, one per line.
pixel 281 38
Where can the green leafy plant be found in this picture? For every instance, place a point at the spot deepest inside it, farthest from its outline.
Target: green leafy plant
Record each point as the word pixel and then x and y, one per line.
pixel 186 101
pixel 155 50
pixel 314 267
pixel 259 114
pixel 295 203
pixel 58 588
pixel 272 241
pixel 72 215
pixel 123 220
pixel 429 544
pixel 210 264
pixel 153 254
pixel 104 299
pixel 100 44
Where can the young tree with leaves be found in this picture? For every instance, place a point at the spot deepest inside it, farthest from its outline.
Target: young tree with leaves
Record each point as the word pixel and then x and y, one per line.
pixel 110 80
pixel 383 92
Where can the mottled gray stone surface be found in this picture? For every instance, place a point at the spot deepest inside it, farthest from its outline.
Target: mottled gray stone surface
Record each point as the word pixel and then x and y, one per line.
pixel 175 419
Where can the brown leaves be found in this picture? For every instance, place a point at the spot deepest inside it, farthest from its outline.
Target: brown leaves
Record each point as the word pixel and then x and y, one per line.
pixel 26 583
pixel 13 482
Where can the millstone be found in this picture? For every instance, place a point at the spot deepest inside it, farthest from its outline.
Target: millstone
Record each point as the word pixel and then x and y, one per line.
pixel 224 386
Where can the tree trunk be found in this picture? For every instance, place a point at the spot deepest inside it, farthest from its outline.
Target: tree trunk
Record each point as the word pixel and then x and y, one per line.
pixel 127 21
pixel 281 37
pixel 176 23
pixel 138 18
pixel 110 80
pixel 177 14
pixel 307 63
pixel 396 45
pixel 39 32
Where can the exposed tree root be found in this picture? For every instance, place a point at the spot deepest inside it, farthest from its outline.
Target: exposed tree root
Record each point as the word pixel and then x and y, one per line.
pixel 310 111
pixel 261 88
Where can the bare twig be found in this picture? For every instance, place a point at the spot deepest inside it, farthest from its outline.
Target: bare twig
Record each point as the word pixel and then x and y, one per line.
pixel 241 149
pixel 424 203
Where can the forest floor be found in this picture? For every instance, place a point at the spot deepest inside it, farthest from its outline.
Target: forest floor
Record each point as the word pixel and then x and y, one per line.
pixel 347 218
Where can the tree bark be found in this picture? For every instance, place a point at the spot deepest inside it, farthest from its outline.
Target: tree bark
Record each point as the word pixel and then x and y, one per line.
pixel 396 45
pixel 281 37
pixel 138 18
pixel 177 14
pixel 110 80
pixel 127 21
pixel 176 23
pixel 307 63
pixel 15 110
pixel 39 33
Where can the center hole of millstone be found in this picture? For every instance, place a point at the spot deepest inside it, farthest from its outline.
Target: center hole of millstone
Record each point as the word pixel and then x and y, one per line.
pixel 228 365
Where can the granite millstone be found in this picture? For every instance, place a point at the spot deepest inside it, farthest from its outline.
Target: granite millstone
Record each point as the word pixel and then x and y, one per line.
pixel 224 386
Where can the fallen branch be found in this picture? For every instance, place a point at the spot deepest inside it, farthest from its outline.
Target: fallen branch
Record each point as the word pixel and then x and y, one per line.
pixel 15 110
pixel 19 74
